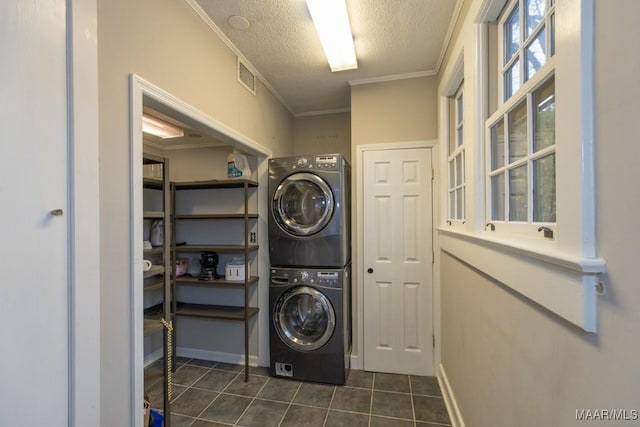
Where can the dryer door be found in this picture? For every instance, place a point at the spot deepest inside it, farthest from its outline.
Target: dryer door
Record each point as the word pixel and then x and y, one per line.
pixel 303 204
pixel 304 318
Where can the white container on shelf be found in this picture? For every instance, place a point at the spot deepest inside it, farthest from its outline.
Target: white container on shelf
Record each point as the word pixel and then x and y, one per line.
pixel 238 166
pixel 234 270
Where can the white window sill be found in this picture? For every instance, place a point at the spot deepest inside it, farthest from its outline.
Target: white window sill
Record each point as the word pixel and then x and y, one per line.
pixel 562 283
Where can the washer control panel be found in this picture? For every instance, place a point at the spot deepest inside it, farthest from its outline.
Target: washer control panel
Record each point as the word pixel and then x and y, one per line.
pixel 306 277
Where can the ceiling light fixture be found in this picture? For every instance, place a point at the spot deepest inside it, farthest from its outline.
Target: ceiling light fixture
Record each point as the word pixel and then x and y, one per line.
pixel 332 24
pixel 156 127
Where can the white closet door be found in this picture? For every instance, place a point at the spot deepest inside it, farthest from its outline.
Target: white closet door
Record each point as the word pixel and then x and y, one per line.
pixel 398 288
pixel 34 302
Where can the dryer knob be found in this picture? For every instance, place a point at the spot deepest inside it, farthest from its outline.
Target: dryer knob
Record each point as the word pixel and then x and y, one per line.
pixel 304 275
pixel 302 161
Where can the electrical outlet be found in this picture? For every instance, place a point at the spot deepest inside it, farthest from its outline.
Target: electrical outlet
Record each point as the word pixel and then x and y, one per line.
pixel 252 237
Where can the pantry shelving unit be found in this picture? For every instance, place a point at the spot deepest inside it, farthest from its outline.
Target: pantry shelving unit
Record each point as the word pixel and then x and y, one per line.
pixel 246 246
pixel 157 317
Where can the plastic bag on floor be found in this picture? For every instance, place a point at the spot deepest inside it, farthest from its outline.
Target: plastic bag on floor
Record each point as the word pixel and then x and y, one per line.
pixel 157 420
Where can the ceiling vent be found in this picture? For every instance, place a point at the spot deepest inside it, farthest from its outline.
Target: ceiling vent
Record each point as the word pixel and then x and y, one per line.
pixel 246 77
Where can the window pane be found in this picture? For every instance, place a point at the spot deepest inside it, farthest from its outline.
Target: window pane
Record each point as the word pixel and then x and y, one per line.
pixel 535 55
pixel 452 174
pixel 497 197
pixel 511 35
pixel 452 125
pixel 544 189
pixel 518 132
pixel 459 136
pixel 461 207
pixel 512 80
pixel 452 205
pixel 459 169
pixel 535 13
pixel 459 110
pixel 552 35
pixel 518 194
pixel 544 103
pixel 459 202
pixel 497 145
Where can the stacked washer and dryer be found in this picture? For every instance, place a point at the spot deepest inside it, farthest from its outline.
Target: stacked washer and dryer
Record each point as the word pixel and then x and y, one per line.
pixel 310 256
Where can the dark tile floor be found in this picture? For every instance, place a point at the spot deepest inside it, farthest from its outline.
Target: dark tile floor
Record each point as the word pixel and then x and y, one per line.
pixel 210 394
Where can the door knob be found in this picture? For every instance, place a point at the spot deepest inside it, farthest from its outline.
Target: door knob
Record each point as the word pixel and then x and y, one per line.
pixel 57 212
pixel 370 270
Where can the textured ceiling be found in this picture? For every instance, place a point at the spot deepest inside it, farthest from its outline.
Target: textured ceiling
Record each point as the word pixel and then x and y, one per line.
pixel 392 37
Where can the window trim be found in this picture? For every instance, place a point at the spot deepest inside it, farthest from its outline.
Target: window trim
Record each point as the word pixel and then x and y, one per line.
pixel 566 277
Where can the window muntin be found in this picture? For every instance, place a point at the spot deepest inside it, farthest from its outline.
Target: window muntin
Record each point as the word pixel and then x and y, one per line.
pixel 528 41
pixel 456 159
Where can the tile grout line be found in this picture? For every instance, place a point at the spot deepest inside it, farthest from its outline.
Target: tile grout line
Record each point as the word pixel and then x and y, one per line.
pixel 413 407
pixel 326 416
pixel 290 403
pixel 373 389
pixel 250 403
pixel 215 398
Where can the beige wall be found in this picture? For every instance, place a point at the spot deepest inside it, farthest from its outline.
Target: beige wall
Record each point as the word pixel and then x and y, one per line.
pixel 166 43
pixel 510 362
pixel 394 111
pixel 400 110
pixel 323 134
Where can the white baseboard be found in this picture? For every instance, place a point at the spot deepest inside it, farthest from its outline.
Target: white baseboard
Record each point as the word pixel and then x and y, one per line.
pixel 356 363
pixel 152 357
pixel 233 358
pixel 449 398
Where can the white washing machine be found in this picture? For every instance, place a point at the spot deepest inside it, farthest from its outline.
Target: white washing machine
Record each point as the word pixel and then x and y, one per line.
pixel 310 213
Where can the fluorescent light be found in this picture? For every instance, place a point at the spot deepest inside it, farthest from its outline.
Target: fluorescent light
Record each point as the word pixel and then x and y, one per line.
pixel 332 24
pixel 156 127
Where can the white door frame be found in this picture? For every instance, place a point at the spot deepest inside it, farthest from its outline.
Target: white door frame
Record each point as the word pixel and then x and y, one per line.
pixel 140 89
pixel 84 213
pixel 357 361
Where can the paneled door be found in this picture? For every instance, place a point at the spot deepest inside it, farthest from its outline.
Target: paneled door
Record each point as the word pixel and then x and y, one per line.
pixel 397 269
pixel 34 161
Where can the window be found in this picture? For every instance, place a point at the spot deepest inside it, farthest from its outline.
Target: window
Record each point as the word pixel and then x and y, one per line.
pixel 521 133
pixel 456 157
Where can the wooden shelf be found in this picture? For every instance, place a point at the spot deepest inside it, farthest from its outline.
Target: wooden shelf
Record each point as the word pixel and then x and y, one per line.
pixel 223 312
pixel 155 270
pixel 156 282
pixel 152 319
pixel 223 249
pixel 153 215
pixel 194 281
pixel 152 184
pixel 154 251
pixel 214 216
pixel 204 185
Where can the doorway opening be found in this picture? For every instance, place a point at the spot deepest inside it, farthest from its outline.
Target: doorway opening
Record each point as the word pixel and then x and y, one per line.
pixel 200 155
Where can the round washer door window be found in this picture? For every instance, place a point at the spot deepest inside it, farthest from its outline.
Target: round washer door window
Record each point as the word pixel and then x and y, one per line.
pixel 304 318
pixel 303 204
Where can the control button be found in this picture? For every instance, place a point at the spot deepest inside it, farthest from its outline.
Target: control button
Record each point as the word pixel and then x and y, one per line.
pixel 295 280
pixel 304 275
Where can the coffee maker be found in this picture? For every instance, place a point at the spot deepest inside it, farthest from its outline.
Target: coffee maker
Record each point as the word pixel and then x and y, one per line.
pixel 209 264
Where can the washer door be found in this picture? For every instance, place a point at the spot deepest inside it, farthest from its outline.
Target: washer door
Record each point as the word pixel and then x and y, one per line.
pixel 303 204
pixel 304 318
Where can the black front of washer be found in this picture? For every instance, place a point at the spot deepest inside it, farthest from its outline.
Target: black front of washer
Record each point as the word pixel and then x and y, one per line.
pixel 310 329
